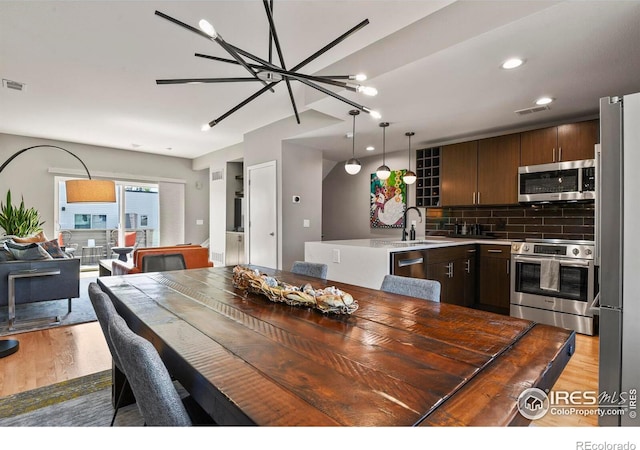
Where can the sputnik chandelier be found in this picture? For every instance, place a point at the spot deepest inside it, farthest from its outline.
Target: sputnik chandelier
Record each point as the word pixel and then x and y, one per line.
pixel 269 73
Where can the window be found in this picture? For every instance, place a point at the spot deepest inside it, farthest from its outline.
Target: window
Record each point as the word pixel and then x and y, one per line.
pixel 82 221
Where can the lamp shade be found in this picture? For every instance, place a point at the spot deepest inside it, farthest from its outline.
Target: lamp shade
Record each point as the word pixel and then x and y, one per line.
pixel 383 172
pixel 409 177
pixel 352 166
pixel 91 191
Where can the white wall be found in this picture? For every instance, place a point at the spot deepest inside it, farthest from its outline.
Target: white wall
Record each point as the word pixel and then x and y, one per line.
pixel 28 175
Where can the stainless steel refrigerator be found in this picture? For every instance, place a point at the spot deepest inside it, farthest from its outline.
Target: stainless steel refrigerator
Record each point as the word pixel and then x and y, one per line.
pixel 618 256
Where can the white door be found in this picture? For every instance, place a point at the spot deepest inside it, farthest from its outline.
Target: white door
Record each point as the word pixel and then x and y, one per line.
pixel 262 246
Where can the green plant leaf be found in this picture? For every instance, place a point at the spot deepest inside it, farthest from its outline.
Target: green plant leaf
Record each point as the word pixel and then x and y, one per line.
pixel 19 221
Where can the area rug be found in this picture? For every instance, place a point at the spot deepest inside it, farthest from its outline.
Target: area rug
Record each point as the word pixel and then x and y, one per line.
pixel 81 311
pixel 81 402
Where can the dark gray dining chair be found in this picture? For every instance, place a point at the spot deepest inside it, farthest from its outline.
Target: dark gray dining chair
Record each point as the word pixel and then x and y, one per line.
pixel 412 287
pixel 316 270
pixel 161 263
pixel 105 312
pixel 156 396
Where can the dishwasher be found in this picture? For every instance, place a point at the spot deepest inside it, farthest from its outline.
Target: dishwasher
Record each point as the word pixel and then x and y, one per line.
pixel 408 264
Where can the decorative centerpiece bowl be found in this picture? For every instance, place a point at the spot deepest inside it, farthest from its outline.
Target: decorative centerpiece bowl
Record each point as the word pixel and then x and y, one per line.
pixel 327 300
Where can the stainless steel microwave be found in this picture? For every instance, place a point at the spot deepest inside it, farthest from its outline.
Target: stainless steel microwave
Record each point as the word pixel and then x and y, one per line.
pixel 563 181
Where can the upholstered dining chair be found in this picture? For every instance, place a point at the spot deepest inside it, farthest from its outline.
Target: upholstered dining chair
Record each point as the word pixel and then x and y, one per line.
pixel 412 287
pixel 316 270
pixel 105 312
pixel 162 262
pixel 156 396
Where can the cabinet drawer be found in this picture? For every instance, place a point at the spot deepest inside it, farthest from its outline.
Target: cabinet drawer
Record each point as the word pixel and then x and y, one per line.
pixel 495 250
pixel 446 254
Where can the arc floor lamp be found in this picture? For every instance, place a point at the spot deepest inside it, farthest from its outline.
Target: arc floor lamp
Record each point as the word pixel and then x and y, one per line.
pixel 78 191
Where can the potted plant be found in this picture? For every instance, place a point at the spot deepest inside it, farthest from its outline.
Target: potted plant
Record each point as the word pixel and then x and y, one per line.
pixel 19 221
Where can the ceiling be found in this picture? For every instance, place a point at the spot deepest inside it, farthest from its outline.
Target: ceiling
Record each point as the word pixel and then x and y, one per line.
pixel 90 69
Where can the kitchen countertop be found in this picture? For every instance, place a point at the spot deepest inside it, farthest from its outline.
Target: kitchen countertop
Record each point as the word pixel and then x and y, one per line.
pixel 365 262
pixel 418 244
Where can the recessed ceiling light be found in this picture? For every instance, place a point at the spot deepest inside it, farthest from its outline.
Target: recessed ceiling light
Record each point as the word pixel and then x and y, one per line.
pixel 544 101
pixel 370 148
pixel 512 63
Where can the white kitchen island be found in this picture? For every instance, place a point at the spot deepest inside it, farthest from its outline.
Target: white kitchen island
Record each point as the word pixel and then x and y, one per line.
pixel 365 262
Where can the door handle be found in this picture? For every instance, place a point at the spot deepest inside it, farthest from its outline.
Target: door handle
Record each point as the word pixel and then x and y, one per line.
pixel 474 199
pixel 494 251
pixel 450 270
pixel 468 266
pixel 272 234
pixel 553 154
pixel 560 154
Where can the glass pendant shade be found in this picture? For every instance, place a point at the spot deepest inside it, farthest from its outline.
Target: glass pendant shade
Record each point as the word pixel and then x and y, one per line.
pixel 383 172
pixel 353 166
pixel 409 177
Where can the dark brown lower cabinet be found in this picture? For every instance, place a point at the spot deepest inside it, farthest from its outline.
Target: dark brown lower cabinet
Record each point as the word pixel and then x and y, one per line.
pixel 455 269
pixel 494 278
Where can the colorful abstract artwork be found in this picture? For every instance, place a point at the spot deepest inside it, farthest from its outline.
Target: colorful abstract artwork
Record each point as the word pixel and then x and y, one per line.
pixel 388 200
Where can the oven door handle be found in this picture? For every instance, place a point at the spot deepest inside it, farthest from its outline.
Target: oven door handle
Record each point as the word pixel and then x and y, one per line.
pixel 563 262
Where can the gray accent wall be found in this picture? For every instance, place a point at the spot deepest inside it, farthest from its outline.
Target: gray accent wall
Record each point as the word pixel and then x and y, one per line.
pixel 346 200
pixel 302 169
pixel 28 176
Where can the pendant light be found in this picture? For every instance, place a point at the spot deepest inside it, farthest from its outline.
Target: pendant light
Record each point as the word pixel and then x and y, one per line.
pixel 353 166
pixel 410 176
pixel 383 171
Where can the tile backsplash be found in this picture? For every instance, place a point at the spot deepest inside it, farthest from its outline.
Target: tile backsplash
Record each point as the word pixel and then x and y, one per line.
pixel 548 221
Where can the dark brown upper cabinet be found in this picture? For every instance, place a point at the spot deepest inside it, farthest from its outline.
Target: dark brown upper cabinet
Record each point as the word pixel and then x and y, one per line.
pixel 481 172
pixel 568 142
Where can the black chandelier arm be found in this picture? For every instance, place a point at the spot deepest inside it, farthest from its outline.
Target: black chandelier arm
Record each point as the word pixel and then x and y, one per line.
pixel 241 104
pixel 274 34
pixel 271 35
pixel 303 80
pixel 217 39
pixel 318 78
pixel 20 152
pixel 330 45
pixel 266 66
pixel 205 80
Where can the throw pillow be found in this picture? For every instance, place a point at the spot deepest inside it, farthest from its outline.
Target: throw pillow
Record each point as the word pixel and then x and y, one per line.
pixel 5 255
pixel 53 248
pixel 27 252
pixel 40 237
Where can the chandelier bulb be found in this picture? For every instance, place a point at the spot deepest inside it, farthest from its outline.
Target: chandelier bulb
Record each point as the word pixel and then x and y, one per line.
pixel 207 28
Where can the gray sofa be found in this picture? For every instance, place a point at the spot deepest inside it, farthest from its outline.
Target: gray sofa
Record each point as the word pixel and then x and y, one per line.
pixel 54 287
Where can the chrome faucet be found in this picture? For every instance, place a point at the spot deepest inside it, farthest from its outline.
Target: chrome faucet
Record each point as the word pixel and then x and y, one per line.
pixel 404 221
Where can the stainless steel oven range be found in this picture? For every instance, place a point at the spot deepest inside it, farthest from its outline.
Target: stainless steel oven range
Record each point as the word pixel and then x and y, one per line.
pixel 554 282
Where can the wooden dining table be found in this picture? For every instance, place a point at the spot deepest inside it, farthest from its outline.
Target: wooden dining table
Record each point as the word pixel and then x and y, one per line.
pixel 395 361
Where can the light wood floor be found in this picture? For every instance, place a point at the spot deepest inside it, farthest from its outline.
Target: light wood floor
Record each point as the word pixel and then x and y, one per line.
pixel 53 355
pixel 58 354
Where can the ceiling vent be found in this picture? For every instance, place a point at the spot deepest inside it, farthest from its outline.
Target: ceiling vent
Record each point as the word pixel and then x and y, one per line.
pixel 15 85
pixel 535 109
